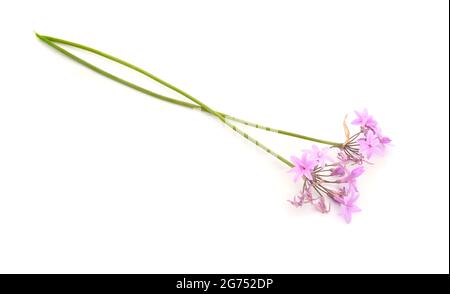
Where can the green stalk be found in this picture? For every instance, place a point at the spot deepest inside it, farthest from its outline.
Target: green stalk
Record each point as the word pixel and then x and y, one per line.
pixel 50 41
pixel 269 129
pixel 178 102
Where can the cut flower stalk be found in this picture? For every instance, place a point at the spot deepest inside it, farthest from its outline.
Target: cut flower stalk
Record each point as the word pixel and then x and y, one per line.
pixel 322 176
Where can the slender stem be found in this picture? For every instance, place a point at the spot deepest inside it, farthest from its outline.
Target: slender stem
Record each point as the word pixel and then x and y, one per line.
pixel 182 103
pixel 153 77
pixel 50 41
pixel 259 126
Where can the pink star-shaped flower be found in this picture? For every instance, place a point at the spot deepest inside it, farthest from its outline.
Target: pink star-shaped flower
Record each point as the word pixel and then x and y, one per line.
pixel 303 167
pixel 351 179
pixel 369 145
pixel 320 155
pixel 348 206
pixel 364 120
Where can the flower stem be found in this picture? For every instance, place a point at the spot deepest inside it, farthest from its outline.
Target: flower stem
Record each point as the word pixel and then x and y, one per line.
pixel 51 42
pixel 182 103
pixel 259 126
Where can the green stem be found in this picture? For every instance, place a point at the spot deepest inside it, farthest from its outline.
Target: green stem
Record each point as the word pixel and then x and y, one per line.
pixel 291 134
pixel 50 41
pixel 178 102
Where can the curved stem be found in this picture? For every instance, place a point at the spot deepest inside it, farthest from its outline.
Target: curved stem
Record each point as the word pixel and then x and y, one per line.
pixel 50 41
pixel 182 103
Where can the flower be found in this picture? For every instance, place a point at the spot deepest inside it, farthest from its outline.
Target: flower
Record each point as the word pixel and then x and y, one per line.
pixel 319 155
pixel 339 170
pixel 351 178
pixel 338 195
pixel 304 196
pixel 303 167
pixel 356 172
pixel 348 206
pixel 321 206
pixel 383 140
pixel 364 120
pixel 297 201
pixel 369 145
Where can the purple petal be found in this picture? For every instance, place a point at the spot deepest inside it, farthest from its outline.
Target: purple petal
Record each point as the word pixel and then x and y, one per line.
pixel 356 121
pixel 338 171
pixel 385 140
pixel 357 172
pixel 346 214
pixel 353 197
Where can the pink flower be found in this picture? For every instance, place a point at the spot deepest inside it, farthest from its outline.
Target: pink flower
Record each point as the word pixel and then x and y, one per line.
pixel 351 179
pixel 364 120
pixel 319 155
pixel 369 145
pixel 303 167
pixel 356 172
pixel 348 206
pixel 383 140
pixel 340 170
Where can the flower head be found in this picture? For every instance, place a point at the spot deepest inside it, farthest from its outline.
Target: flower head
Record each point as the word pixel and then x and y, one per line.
pixel 336 178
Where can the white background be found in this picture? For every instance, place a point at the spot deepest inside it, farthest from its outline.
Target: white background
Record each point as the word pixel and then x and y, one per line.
pixel 98 178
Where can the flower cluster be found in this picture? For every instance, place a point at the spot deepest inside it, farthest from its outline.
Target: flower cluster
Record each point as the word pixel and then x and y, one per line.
pixel 335 177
